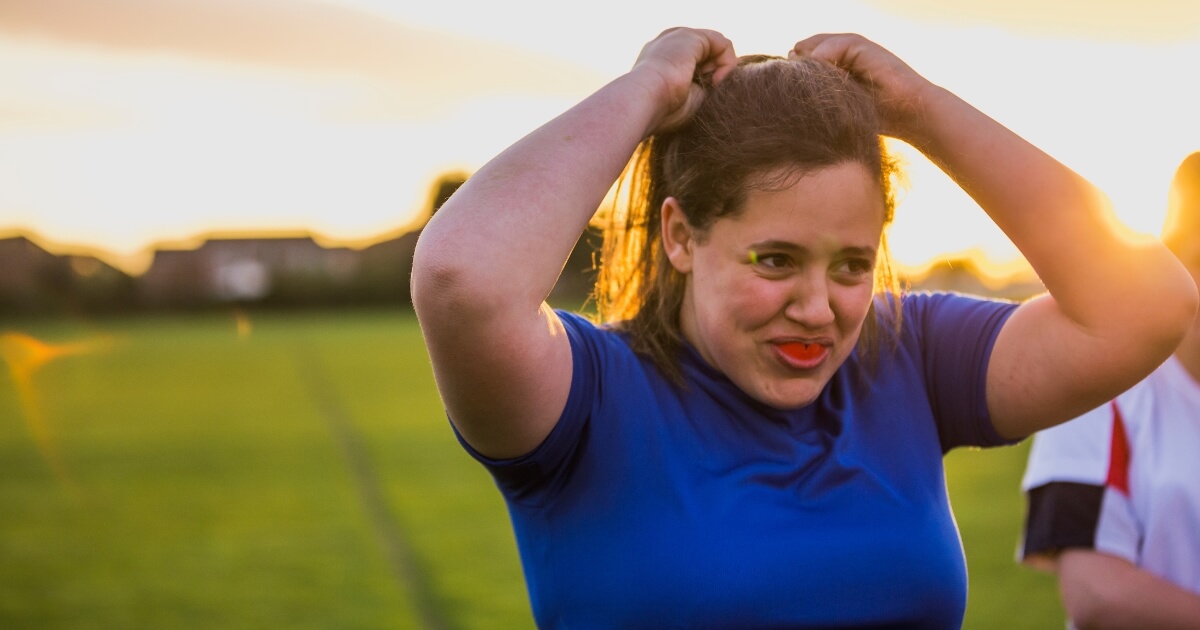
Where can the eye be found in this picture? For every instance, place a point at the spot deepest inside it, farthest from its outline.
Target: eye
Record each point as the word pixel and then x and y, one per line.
pixel 860 265
pixel 767 261
pixel 855 268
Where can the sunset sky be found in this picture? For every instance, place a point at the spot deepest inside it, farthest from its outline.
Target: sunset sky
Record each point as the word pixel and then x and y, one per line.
pixel 128 123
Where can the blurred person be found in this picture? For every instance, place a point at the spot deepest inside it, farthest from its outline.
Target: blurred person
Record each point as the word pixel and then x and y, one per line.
pixel 1114 495
pixel 752 436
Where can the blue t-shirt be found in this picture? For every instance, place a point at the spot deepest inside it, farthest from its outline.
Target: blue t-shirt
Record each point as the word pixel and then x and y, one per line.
pixel 652 506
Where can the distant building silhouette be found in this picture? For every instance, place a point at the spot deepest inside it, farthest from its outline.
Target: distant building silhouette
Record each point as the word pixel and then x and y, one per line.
pixel 31 278
pixel 286 271
pixel 297 271
pixel 35 281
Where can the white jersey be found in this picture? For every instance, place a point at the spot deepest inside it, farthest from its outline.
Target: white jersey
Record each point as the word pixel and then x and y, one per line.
pixel 1123 479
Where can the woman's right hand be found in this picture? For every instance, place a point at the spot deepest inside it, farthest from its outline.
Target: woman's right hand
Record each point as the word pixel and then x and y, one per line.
pixel 677 66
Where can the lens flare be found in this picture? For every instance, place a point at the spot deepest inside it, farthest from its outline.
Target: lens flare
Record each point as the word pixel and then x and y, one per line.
pixel 24 356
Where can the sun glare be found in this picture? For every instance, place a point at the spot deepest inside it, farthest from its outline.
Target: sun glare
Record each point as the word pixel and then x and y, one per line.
pixel 25 356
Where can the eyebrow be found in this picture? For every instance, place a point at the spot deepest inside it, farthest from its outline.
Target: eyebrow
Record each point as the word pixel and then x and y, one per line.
pixel 771 244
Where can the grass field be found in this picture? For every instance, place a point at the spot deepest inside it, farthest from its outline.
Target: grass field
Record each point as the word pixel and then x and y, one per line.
pixel 296 470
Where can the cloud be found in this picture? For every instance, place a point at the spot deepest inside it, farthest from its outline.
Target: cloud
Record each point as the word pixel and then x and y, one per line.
pixel 1147 21
pixel 301 36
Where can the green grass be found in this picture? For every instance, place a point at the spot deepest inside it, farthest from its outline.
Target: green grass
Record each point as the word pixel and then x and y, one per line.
pixel 304 476
pixel 989 507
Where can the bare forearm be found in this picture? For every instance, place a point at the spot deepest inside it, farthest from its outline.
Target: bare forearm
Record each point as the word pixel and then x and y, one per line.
pixel 1093 335
pixel 1167 608
pixel 487 260
pixel 1062 224
pixel 1105 592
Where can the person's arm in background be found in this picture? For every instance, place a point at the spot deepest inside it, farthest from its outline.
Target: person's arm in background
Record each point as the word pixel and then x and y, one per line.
pixel 1094 334
pixel 487 260
pixel 1102 591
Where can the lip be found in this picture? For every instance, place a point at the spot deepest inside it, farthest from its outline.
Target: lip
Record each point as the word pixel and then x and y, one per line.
pixel 800 354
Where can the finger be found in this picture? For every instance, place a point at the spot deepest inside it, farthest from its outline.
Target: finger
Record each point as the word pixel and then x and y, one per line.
pixel 852 53
pixel 719 57
pixel 804 47
pixel 838 49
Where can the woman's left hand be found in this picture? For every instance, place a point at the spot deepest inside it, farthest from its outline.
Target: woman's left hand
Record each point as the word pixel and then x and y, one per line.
pixel 681 61
pixel 899 92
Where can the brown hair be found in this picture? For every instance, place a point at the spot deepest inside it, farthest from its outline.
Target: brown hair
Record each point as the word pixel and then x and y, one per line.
pixel 769 115
pixel 1183 205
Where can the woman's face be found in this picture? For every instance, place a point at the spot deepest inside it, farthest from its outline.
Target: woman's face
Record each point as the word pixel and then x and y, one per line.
pixel 776 296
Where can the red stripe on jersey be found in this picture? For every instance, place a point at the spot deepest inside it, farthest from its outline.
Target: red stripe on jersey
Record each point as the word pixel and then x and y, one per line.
pixel 1118 455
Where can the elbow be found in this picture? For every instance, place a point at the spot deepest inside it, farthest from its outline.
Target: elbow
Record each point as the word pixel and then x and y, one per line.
pixel 1145 301
pixel 1178 311
pixel 1172 291
pixel 452 282
pixel 442 284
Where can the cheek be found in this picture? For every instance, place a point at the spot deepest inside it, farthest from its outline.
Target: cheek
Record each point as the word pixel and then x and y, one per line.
pixel 729 298
pixel 752 302
pixel 851 305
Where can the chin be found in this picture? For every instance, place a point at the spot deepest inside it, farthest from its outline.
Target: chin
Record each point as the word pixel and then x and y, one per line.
pixel 790 400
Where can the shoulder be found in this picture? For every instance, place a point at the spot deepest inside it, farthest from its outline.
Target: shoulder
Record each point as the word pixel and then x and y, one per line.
pixel 948 329
pixel 922 309
pixel 602 362
pixel 937 321
pixel 601 353
pixel 945 340
pixel 588 336
pixel 951 331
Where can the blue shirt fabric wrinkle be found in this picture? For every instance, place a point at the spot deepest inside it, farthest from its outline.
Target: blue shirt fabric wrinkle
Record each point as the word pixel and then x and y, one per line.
pixel 652 506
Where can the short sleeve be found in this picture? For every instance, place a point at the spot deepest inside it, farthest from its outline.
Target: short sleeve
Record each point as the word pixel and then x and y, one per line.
pixel 531 478
pixel 1073 497
pixel 956 334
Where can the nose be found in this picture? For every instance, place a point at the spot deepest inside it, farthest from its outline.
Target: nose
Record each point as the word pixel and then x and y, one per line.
pixel 809 303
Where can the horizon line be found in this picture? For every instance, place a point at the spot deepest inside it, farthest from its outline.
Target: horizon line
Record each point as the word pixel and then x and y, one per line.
pixel 988 270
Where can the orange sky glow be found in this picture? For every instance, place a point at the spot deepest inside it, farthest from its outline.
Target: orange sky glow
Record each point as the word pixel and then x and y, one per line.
pixel 130 123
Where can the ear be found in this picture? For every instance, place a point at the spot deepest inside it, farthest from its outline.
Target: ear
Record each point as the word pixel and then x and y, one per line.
pixel 677 235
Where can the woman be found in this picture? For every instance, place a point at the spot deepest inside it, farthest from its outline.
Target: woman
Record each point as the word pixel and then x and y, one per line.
pixel 755 437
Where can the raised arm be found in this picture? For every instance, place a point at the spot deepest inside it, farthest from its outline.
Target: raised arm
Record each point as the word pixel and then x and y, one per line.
pixel 1117 305
pixel 487 260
